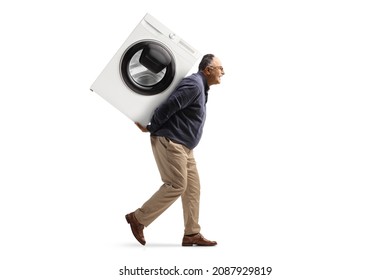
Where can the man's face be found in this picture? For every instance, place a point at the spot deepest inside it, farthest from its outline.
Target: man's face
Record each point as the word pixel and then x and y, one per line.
pixel 215 71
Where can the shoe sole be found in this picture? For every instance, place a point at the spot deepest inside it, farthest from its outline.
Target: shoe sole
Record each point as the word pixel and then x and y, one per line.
pixel 194 244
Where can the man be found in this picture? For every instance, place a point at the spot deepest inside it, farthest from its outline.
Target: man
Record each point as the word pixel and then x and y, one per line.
pixel 176 128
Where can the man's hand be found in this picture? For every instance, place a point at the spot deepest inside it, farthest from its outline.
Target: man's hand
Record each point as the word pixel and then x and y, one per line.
pixel 141 127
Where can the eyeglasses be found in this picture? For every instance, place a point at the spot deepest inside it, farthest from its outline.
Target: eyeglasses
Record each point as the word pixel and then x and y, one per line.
pixel 218 67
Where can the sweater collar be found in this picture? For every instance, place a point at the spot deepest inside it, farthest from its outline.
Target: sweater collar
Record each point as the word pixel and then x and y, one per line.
pixel 206 86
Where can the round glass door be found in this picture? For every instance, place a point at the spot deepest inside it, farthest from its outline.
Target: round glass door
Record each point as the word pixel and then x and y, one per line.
pixel 148 68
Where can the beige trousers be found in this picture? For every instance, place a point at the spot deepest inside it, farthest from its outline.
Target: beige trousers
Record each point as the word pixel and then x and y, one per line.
pixel 179 174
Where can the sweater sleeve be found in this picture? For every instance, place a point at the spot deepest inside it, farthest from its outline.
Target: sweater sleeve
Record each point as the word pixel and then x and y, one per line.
pixel 182 97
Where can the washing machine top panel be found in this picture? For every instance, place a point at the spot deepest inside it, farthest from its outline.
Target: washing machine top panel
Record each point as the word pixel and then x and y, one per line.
pixel 145 70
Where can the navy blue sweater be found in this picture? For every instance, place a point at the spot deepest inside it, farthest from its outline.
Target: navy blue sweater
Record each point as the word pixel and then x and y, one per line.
pixel 182 116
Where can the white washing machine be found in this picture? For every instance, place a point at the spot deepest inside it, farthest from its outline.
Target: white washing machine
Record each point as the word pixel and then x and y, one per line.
pixel 145 70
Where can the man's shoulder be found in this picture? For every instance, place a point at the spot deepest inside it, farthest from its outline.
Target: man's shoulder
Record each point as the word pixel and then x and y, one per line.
pixel 193 80
pixel 193 77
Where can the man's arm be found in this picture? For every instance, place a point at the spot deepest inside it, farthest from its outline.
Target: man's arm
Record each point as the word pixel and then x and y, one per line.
pixel 180 99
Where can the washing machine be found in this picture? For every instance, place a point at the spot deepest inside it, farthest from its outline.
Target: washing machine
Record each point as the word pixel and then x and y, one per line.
pixel 145 70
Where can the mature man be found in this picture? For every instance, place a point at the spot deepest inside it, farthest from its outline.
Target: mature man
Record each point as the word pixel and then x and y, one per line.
pixel 176 129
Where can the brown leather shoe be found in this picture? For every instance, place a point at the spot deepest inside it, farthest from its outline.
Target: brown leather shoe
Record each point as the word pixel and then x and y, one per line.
pixel 136 228
pixel 197 240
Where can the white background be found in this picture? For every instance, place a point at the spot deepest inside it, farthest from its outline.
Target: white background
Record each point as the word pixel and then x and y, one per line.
pixel 294 161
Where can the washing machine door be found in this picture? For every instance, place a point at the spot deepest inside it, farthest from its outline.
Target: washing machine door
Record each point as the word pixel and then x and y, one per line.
pixel 148 67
